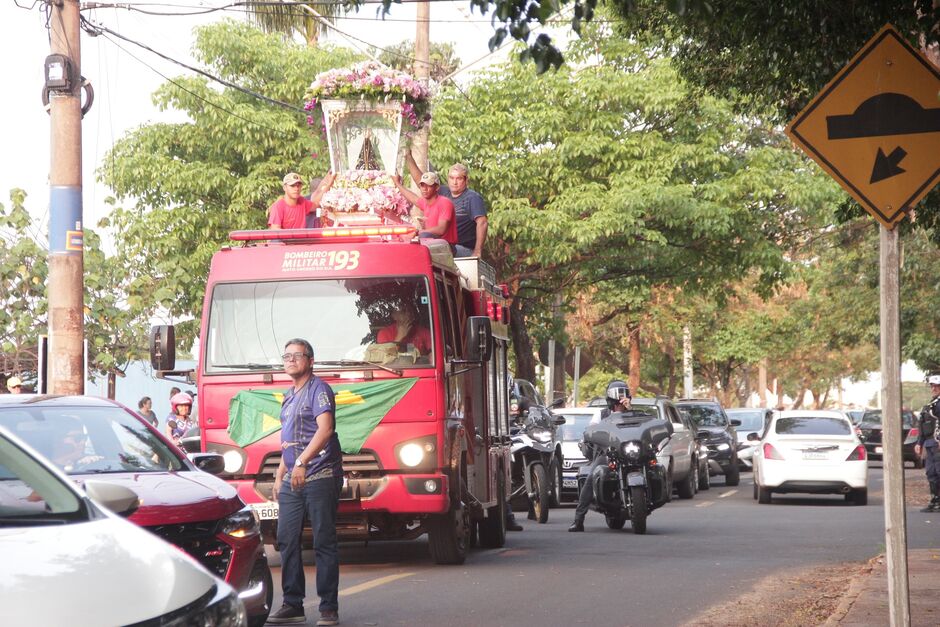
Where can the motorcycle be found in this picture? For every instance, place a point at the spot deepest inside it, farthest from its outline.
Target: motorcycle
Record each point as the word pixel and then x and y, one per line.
pixel 532 451
pixel 632 483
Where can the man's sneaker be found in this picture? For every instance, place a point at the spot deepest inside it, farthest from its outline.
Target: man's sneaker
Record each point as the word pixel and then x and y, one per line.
pixel 932 506
pixel 328 618
pixel 288 614
pixel 513 525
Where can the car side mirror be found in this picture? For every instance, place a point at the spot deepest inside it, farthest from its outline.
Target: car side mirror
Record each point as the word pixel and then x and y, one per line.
pixel 163 347
pixel 479 338
pixel 119 499
pixel 735 422
pixel 212 463
pixel 753 436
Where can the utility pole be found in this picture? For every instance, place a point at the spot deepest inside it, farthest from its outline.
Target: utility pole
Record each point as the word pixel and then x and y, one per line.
pixel 66 247
pixel 899 603
pixel 422 72
pixel 686 362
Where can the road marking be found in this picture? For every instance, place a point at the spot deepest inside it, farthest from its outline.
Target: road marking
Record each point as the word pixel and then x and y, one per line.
pixel 729 493
pixel 704 503
pixel 368 585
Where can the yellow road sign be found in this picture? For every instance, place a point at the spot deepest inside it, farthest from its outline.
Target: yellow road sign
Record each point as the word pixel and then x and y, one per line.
pixel 875 128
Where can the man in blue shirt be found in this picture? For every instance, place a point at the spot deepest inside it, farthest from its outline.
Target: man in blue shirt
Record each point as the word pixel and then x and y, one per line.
pixel 469 208
pixel 308 481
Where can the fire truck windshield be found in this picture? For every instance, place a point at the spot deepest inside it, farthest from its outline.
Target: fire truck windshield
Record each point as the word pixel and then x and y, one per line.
pixel 382 321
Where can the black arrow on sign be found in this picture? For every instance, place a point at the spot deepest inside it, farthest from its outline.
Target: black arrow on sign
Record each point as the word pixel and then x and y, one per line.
pixel 887 166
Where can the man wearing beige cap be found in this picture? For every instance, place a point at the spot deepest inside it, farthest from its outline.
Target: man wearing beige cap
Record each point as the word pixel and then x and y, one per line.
pixel 290 210
pixel 438 211
pixel 15 385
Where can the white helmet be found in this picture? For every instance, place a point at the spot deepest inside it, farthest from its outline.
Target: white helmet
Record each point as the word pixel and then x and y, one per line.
pixel 934 379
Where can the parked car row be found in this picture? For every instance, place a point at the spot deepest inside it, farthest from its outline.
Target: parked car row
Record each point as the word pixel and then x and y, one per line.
pixel 53 447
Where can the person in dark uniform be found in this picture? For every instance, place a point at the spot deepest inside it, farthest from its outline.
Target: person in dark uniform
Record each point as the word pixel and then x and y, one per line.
pixel 307 483
pixel 927 445
pixel 618 400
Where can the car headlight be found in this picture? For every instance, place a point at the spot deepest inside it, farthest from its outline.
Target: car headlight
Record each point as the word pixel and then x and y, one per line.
pixel 541 434
pixel 224 609
pixel 724 446
pixel 631 450
pixel 418 452
pixel 241 524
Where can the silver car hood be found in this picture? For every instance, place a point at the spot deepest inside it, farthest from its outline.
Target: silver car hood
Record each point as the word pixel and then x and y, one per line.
pixel 101 572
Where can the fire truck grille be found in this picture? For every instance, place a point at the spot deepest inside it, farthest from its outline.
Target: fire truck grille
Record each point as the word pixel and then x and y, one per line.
pixel 362 464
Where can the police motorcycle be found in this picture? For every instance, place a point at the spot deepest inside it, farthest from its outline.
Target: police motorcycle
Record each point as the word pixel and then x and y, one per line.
pixel 533 448
pixel 632 483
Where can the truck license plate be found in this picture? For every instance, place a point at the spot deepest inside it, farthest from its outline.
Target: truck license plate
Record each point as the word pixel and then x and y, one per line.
pixel 266 510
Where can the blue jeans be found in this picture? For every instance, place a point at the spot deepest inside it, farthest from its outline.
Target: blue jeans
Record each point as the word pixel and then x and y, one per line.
pixel 319 500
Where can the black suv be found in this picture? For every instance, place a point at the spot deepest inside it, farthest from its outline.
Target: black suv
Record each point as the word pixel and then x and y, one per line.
pixel 717 433
pixel 870 430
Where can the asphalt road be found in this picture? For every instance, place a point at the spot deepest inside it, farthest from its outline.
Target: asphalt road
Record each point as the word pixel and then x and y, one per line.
pixel 696 553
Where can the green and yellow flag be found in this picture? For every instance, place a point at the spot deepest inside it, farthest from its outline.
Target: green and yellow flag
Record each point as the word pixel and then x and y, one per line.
pixel 255 414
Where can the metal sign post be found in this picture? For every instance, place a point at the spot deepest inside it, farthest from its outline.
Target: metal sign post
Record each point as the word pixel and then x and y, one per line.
pixel 875 128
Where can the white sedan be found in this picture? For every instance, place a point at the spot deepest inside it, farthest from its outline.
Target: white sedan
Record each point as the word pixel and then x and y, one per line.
pixel 69 561
pixel 813 451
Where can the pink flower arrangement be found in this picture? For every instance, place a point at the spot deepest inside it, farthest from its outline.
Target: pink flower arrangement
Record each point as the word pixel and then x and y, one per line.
pixel 372 81
pixel 365 191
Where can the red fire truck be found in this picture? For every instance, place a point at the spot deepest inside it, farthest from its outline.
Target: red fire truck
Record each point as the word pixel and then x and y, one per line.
pixel 424 426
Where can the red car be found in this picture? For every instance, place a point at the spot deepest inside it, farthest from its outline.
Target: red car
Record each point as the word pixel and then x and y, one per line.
pixel 198 512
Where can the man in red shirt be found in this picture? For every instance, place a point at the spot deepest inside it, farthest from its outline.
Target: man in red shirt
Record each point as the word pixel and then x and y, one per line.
pixel 405 330
pixel 438 211
pixel 290 210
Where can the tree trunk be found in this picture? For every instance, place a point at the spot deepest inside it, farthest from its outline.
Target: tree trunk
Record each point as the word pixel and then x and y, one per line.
pixel 634 358
pixel 522 343
pixel 798 402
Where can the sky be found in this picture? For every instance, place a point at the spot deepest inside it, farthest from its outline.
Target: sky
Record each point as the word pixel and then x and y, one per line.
pixel 123 85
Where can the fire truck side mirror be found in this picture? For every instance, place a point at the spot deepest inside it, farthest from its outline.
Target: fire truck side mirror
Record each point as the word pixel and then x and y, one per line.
pixel 479 339
pixel 163 347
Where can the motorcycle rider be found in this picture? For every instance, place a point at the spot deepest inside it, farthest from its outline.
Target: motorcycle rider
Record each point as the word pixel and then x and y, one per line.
pixel 928 427
pixel 618 400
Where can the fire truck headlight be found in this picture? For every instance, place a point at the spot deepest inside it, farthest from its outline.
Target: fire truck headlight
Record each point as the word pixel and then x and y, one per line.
pixel 233 461
pixel 417 452
pixel 411 454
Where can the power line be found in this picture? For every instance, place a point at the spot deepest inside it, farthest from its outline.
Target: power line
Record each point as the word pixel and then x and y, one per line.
pixel 191 92
pixel 96 29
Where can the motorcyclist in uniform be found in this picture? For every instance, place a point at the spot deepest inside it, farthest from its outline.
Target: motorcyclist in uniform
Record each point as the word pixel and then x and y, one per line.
pixel 928 427
pixel 618 400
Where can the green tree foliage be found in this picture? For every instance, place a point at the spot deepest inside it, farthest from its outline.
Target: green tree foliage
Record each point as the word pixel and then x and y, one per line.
pixel 444 60
pixel 773 55
pixel 195 181
pixel 115 335
pixel 612 173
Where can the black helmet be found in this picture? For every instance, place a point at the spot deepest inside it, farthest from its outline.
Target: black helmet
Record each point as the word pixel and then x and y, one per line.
pixel 617 390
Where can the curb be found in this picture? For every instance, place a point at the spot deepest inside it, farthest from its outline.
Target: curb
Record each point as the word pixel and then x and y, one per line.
pixel 852 593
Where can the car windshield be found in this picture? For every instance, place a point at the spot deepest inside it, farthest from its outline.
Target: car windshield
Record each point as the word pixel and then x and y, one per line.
pixel 575 424
pixel 32 495
pixel 83 440
pixel 639 410
pixel 705 415
pixel 872 418
pixel 375 320
pixel 751 419
pixel 813 425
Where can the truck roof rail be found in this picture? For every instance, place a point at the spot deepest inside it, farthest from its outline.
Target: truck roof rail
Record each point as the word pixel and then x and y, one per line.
pixel 321 235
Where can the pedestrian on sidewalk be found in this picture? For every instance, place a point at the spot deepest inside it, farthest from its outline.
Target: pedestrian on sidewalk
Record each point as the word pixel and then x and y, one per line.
pixel 927 445
pixel 310 449
pixel 145 408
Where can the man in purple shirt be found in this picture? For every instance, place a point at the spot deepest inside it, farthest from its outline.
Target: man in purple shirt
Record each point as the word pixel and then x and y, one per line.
pixel 308 481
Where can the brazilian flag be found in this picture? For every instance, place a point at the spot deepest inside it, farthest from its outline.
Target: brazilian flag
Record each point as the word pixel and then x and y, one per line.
pixel 255 414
